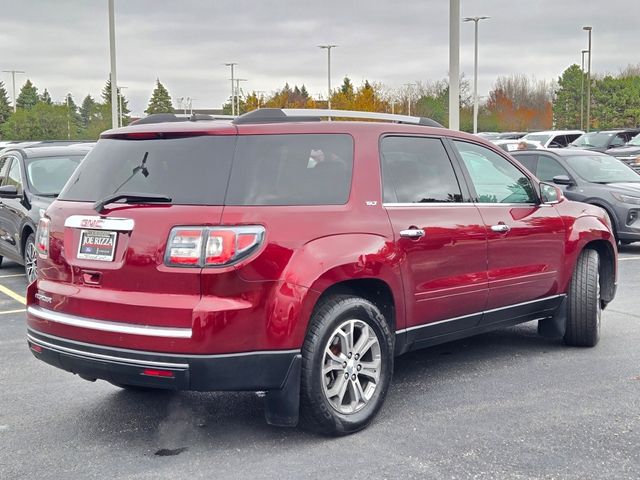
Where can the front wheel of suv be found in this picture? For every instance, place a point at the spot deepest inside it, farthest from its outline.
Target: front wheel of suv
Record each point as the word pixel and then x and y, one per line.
pixel 347 365
pixel 30 258
pixel 584 306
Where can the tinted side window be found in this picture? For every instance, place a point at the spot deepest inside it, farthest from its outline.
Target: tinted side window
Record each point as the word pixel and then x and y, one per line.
pixel 191 171
pixel 4 166
pixel 495 179
pixel 417 170
pixel 14 177
pixel 305 169
pixel 548 168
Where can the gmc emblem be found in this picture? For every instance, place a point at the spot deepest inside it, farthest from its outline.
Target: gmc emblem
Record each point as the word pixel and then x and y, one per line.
pixel 91 223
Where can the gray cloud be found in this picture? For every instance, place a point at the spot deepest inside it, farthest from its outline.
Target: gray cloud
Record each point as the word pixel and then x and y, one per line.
pixel 63 45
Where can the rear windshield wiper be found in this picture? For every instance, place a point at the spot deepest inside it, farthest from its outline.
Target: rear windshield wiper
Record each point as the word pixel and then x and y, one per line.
pixel 130 198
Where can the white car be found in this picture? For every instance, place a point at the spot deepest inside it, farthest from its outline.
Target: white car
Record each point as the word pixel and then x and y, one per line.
pixel 553 138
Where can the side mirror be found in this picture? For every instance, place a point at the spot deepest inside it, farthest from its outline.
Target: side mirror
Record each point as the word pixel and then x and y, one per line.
pixel 8 191
pixel 550 194
pixel 562 180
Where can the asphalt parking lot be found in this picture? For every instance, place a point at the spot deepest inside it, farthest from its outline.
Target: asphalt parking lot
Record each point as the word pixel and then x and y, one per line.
pixel 507 404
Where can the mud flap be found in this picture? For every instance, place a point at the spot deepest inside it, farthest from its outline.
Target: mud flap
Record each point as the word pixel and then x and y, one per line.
pixel 282 406
pixel 555 326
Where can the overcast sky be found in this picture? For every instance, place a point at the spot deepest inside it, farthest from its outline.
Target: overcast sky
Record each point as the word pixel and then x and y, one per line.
pixel 63 45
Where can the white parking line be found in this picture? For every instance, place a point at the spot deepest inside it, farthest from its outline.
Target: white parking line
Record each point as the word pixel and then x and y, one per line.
pixel 13 275
pixel 629 258
pixel 12 311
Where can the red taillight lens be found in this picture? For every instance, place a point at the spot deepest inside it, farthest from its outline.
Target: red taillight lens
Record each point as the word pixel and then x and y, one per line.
pixel 152 372
pixel 42 238
pixel 211 246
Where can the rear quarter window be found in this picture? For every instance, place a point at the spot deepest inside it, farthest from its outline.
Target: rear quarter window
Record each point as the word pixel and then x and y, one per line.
pixel 300 169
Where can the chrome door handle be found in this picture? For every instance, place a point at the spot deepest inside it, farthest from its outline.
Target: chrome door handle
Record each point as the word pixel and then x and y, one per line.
pixel 500 228
pixel 412 233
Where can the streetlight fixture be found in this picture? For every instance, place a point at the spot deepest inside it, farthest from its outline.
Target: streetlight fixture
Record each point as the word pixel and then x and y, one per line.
pixel 328 48
pixel 13 79
pixel 233 86
pixel 588 29
pixel 475 20
pixel 582 91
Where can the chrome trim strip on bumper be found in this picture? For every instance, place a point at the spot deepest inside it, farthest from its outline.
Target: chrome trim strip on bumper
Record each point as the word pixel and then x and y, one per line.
pixel 404 330
pixel 109 358
pixel 164 354
pixel 107 326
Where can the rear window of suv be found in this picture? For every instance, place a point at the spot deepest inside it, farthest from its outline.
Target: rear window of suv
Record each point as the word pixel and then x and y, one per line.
pixel 308 169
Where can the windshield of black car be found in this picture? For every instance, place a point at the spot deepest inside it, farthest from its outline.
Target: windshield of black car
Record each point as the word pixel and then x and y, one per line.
pixel 601 169
pixel 595 139
pixel 47 175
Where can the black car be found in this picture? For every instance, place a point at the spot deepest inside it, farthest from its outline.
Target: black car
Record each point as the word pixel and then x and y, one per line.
pixel 31 176
pixel 604 140
pixel 629 153
pixel 595 178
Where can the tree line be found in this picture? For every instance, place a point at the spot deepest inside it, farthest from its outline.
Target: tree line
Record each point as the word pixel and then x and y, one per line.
pixel 514 103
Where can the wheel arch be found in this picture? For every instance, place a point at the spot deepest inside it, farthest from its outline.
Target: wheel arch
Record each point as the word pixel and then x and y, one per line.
pixel 27 229
pixel 607 268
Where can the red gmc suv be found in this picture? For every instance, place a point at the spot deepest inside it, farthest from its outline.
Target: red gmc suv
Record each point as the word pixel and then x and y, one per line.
pixel 281 253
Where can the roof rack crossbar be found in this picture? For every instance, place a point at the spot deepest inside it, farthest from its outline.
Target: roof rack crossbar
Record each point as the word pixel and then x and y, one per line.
pixel 269 115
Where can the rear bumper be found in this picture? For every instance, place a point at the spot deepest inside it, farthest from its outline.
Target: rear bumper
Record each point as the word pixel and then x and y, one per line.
pixel 266 370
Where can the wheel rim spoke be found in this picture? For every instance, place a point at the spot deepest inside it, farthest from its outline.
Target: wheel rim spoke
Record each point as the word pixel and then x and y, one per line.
pixel 371 369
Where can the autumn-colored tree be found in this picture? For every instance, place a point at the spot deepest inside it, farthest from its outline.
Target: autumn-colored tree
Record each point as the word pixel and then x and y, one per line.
pixel 520 103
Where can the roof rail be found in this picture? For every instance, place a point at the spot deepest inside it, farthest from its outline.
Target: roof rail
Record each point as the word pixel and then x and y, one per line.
pixel 275 115
pixel 172 117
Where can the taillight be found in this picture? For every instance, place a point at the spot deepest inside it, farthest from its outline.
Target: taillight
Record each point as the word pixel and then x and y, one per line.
pixel 194 246
pixel 42 238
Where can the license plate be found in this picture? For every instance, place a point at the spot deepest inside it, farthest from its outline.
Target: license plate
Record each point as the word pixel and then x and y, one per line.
pixel 97 245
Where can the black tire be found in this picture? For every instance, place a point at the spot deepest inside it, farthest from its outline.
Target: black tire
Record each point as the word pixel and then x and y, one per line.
pixel 30 258
pixel 316 411
pixel 584 308
pixel 1 258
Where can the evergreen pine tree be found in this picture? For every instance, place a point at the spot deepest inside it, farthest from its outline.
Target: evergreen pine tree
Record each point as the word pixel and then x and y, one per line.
pixel 87 110
pixel 5 108
pixel 45 97
pixel 74 115
pixel 28 96
pixel 106 98
pixel 160 101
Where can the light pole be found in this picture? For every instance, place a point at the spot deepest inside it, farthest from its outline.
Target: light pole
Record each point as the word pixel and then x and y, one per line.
pixel 112 52
pixel 13 79
pixel 582 91
pixel 475 20
pixel 588 29
pixel 328 48
pixel 233 86
pixel 409 95
pixel 121 116
pixel 238 80
pixel 454 64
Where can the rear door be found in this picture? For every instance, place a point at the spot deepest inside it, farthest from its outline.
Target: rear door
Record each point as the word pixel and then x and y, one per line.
pixel 525 239
pixel 439 235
